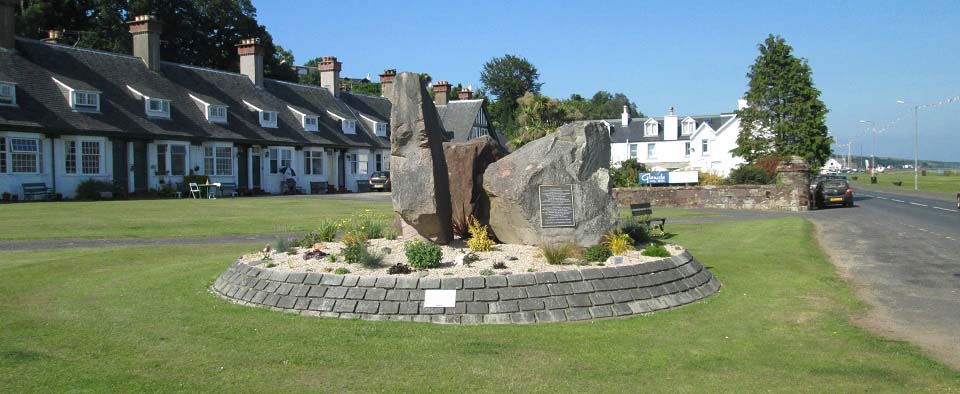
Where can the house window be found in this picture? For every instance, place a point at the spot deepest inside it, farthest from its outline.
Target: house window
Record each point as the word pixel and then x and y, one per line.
pixel 8 94
pixel 381 130
pixel 3 155
pixel 651 129
pixel 686 149
pixel 633 151
pixel 268 119
pixel 651 151
pixel 24 156
pixel 90 157
pixel 362 164
pixel 279 158
pixel 349 126
pixel 217 113
pixel 688 126
pixel 162 159
pixel 310 123
pixel 313 162
pixel 705 147
pixel 171 159
pixel 158 108
pixel 86 101
pixel 218 160
pixel 70 157
pixel 378 162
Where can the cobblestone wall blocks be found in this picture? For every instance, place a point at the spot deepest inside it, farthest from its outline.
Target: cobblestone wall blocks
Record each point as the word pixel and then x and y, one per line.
pixel 521 280
pixel 429 283
pixel 569 276
pixel 546 277
pixel 331 280
pixel 591 273
pixel 386 282
pixel 407 283
pixel 473 282
pixel 367 281
pixel 495 281
pixel 451 283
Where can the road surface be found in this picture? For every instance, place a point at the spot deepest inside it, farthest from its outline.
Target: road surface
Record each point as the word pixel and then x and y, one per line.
pixel 902 255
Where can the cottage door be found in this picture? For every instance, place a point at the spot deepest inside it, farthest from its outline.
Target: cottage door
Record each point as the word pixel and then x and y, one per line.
pixel 255 166
pixel 140 166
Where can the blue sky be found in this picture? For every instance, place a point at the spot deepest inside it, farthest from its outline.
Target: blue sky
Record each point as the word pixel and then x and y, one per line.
pixel 691 55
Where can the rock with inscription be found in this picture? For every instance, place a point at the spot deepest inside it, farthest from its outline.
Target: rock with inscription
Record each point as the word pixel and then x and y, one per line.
pixel 466 162
pixel 555 189
pixel 418 170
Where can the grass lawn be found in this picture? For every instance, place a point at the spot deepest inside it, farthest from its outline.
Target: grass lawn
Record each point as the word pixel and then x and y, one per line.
pixel 139 319
pixel 173 218
pixel 938 183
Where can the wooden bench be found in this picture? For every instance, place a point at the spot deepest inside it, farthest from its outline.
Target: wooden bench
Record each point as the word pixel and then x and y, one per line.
pixel 31 190
pixel 318 188
pixel 643 213
pixel 229 189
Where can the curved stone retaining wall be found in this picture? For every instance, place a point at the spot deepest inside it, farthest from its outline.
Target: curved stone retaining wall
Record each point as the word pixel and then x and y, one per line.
pixel 590 293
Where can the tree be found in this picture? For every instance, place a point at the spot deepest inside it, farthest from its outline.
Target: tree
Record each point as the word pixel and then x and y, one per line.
pixel 603 105
pixel 507 79
pixel 537 115
pixel 785 115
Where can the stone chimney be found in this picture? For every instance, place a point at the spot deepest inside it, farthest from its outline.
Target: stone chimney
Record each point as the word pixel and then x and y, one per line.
pixel 251 60
pixel 671 127
pixel 441 93
pixel 54 37
pixel 386 82
pixel 625 117
pixel 8 12
pixel 329 69
pixel 146 40
pixel 465 94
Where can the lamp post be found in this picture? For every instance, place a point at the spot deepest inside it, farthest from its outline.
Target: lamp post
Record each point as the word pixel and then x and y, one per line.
pixel 873 153
pixel 916 144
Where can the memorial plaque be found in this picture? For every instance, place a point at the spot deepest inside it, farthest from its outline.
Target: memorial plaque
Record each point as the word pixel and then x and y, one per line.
pixel 556 206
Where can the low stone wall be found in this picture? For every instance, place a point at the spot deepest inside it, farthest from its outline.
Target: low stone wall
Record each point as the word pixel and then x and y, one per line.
pixel 756 197
pixel 590 293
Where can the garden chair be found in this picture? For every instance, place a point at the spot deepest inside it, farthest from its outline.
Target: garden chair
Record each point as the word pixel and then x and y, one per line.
pixel 194 190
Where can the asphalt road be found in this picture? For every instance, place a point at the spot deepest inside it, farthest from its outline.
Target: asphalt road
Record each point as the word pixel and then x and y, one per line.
pixel 902 255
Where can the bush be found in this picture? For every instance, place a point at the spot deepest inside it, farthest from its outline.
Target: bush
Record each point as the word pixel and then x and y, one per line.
pixel 370 225
pixel 555 253
pixel 597 253
pixel 326 231
pixel 479 241
pixel 423 255
pixel 283 245
pixel 636 229
pixel 341 271
pixel 90 189
pixel 499 265
pixel 399 268
pixel 354 247
pixel 769 165
pixel 708 179
pixel 627 174
pixel 749 174
pixel 618 242
pixel 656 251
pixel 487 272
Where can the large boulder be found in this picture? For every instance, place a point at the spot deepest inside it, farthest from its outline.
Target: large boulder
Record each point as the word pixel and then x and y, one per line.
pixel 418 170
pixel 466 162
pixel 574 158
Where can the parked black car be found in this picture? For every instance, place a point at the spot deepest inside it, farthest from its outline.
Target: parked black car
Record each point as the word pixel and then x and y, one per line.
pixel 827 192
pixel 380 180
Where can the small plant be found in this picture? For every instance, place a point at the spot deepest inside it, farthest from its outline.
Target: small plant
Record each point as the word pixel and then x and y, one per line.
pixel 327 269
pixel 390 233
pixel 423 255
pixel 315 254
pixel 332 258
pixel 531 270
pixel 618 242
pixel 354 247
pixel 582 262
pixel 487 272
pixel 479 241
pixel 636 229
pixel 371 260
pixel 597 253
pixel 555 253
pixel 341 271
pixel 399 269
pixel 372 226
pixel 499 265
pixel 271 265
pixel 656 251
pixel 283 245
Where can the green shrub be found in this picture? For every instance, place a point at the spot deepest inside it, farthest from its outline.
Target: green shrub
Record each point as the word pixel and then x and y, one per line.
pixel 354 247
pixel 708 179
pixel 399 268
pixel 371 225
pixel 487 272
pixel 656 251
pixel 326 231
pixel 479 240
pixel 332 258
pixel 90 189
pixel 597 253
pixel 555 253
pixel 636 229
pixel 341 271
pixel 283 245
pixel 618 242
pixel 499 265
pixel 423 255
pixel 628 173
pixel 370 260
pixel 749 174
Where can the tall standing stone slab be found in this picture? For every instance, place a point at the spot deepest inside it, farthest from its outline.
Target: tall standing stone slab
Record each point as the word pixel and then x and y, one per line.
pixel 466 162
pixel 554 189
pixel 418 169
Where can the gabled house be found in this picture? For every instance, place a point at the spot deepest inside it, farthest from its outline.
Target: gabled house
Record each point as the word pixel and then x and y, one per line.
pixel 465 118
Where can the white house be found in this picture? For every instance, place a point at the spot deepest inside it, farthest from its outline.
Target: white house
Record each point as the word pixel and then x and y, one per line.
pixel 673 142
pixel 832 166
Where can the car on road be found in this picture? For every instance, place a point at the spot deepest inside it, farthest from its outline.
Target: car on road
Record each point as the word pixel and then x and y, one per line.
pixel 829 192
pixel 380 180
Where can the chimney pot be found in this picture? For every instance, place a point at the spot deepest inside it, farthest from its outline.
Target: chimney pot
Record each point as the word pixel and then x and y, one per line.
pixel 465 94
pixel 441 93
pixel 146 31
pixel 329 69
pixel 386 82
pixel 625 117
pixel 251 60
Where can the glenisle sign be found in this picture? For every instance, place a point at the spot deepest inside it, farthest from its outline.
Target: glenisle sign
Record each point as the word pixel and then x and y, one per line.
pixel 663 177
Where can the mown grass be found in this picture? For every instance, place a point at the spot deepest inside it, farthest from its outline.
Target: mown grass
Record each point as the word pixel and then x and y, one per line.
pixel 173 218
pixel 938 183
pixel 140 319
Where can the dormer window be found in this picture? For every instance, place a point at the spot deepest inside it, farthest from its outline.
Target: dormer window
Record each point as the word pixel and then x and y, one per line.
pixel 651 128
pixel 689 125
pixel 381 129
pixel 217 113
pixel 349 126
pixel 268 119
pixel 86 101
pixel 310 123
pixel 158 108
pixel 8 93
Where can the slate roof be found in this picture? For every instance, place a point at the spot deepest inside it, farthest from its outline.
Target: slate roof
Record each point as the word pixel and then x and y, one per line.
pixel 458 117
pixel 42 106
pixel 634 131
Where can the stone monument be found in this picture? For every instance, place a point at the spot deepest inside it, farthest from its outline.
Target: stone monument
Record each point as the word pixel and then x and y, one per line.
pixel 466 162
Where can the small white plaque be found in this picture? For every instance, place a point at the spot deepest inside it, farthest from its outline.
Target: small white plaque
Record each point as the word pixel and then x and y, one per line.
pixel 439 298
pixel 617 260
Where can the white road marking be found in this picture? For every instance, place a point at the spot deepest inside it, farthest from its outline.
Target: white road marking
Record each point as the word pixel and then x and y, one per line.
pixel 882 198
pixel 943 209
pixel 895 200
pixel 918 204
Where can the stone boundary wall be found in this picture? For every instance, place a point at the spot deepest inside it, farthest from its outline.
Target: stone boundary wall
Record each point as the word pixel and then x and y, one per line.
pixel 749 197
pixel 590 293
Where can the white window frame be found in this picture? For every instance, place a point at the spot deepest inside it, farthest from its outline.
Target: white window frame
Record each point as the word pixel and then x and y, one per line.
pixel 651 151
pixel 314 154
pixel 168 157
pixel 633 151
pixel 78 156
pixel 705 147
pixel 686 149
pixel 38 154
pixel 271 122
pixel 348 126
pixel 163 112
pixel 9 100
pixel 381 129
pixel 688 127
pixel 215 117
pixel 363 164
pixel 276 154
pixel 75 98
pixel 213 156
pixel 307 126
pixel 651 128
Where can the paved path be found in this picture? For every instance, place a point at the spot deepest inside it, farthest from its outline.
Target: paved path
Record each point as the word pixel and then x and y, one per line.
pixel 902 255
